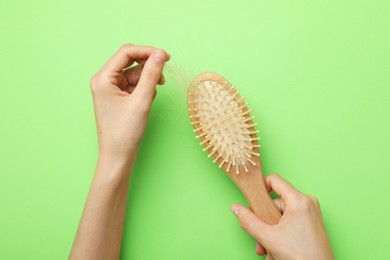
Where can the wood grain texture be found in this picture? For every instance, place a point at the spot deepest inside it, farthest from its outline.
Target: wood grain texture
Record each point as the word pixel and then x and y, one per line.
pixel 253 186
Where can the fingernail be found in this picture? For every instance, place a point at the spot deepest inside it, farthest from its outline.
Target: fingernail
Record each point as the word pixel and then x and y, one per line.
pixel 235 210
pixel 160 56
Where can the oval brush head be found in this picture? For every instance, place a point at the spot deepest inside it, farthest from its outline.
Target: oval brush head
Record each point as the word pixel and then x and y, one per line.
pixel 223 123
pixel 225 128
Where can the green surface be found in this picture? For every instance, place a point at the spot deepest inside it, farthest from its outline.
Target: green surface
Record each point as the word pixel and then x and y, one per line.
pixel 316 74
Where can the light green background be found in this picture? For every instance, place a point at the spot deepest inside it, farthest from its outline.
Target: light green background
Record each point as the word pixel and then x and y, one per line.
pixel 316 74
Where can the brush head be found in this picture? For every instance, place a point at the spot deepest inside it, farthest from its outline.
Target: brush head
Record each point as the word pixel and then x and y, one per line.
pixel 223 123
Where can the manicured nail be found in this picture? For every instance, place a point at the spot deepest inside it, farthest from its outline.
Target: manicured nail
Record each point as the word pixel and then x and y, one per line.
pixel 235 210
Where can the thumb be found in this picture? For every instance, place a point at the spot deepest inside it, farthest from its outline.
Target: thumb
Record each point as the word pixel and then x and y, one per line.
pixel 151 73
pixel 250 223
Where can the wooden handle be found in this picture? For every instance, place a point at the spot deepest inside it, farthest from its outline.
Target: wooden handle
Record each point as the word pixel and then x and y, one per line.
pixel 253 186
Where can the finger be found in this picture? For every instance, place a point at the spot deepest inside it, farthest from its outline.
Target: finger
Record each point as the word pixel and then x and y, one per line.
pixel 280 186
pixel 250 223
pixel 142 58
pixel 161 81
pixel 133 75
pixel 142 62
pixel 151 73
pixel 260 250
pixel 269 257
pixel 126 56
pixel 279 205
pixel 130 89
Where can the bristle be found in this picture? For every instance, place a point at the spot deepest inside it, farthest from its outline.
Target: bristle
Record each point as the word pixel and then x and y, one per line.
pixel 196 102
pixel 204 141
pixel 198 136
pixel 251 139
pixel 237 171
pixel 221 154
pixel 204 122
pixel 197 129
pixel 224 84
pixel 247 154
pixel 193 116
pixel 251 132
pixel 241 107
pixel 238 112
pixel 227 93
pixel 240 100
pixel 228 168
pixel 249 160
pixel 196 122
pixel 216 158
pixel 214 151
pixel 242 162
pixel 203 128
pixel 247 112
pixel 244 119
pixel 240 158
pixel 208 147
pixel 248 126
pixel 251 146
pixel 255 154
pixel 234 95
pixel 227 158
pixel 220 165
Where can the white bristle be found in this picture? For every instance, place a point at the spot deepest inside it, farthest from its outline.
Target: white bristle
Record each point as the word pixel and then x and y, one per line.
pixel 221 119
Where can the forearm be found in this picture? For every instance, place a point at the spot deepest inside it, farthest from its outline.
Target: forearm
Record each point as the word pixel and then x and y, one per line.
pixel 100 231
pixel 122 101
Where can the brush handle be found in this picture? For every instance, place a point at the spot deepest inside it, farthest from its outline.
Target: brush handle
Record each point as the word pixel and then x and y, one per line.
pixel 253 186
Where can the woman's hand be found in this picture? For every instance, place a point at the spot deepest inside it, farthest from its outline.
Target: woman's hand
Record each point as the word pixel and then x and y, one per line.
pixel 122 107
pixel 300 234
pixel 122 104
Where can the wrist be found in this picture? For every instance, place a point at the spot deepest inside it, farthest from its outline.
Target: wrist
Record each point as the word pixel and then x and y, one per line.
pixel 114 170
pixel 108 156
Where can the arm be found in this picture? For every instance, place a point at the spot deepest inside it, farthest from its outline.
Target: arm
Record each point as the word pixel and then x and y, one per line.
pixel 300 234
pixel 121 108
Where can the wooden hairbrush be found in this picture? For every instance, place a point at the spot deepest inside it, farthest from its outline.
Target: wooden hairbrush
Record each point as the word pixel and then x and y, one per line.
pixel 223 123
